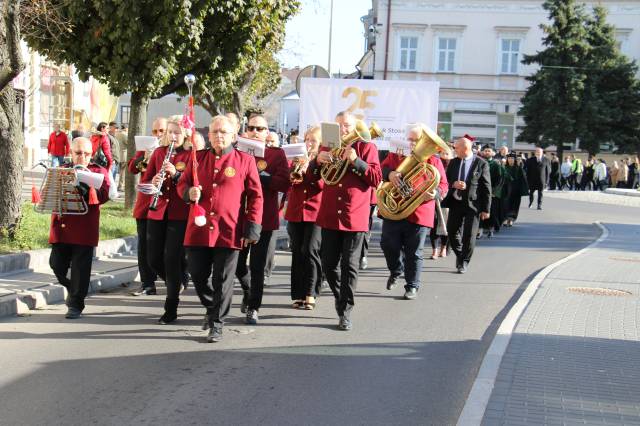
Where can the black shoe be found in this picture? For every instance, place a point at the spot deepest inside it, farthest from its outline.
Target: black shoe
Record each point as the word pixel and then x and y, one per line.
pixel 205 322
pixel 463 268
pixel 392 282
pixel 458 262
pixel 363 263
pixel 344 324
pixel 539 207
pixel 252 317
pixel 170 311
pixel 145 291
pixel 215 335
pixel 73 313
pixel 167 318
pixel 530 204
pixel 411 293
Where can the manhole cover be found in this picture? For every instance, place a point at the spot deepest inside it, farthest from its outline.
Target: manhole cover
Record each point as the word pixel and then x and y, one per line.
pixel 626 259
pixel 598 291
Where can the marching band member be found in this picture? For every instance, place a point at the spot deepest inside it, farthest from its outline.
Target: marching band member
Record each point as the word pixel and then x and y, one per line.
pixel 402 240
pixel 167 223
pixel 305 235
pixel 273 171
pixel 230 194
pixel 138 165
pixel 73 237
pixel 344 217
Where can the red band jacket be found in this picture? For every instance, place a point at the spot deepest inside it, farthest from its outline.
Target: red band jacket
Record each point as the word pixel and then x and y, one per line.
pixel 231 197
pixel 424 214
pixel 346 206
pixel 304 199
pixel 273 171
pixel 83 230
pixel 170 202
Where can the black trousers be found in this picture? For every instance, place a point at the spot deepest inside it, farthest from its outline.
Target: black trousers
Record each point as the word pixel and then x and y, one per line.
pixel 462 227
pixel 252 278
pixel 78 258
pixel 367 235
pixel 165 252
pixel 531 191
pixel 271 253
pixel 401 244
pixel 219 263
pixel 340 262
pixel 147 276
pixel 306 265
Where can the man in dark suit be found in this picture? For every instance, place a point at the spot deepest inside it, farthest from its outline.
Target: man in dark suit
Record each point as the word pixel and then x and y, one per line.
pixel 468 200
pixel 538 170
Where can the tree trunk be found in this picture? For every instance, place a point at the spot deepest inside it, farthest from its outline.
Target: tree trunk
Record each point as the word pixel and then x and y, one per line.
pixel 11 173
pixel 137 126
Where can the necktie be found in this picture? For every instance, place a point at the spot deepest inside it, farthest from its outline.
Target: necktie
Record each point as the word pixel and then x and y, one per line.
pixel 462 171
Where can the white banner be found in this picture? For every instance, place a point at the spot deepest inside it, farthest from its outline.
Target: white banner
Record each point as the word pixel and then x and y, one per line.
pixel 392 104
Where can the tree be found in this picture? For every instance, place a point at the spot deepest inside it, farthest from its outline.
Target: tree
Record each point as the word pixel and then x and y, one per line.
pixel 11 135
pixel 554 98
pixel 611 101
pixel 147 46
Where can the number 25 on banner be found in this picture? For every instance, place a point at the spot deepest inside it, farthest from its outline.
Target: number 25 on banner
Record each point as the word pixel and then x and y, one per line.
pixel 360 100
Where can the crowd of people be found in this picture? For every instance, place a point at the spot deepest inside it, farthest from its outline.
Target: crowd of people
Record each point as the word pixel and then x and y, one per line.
pixel 214 219
pixel 594 174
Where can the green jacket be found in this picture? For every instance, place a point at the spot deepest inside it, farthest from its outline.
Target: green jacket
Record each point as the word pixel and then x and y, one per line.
pixel 497 172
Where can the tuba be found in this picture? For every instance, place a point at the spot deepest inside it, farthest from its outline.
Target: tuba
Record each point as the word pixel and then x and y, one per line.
pixel 335 170
pixel 418 179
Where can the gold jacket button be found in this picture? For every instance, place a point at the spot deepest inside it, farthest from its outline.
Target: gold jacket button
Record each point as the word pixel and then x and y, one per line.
pixel 339 198
pixel 215 170
pixel 305 191
pixel 214 185
pixel 211 227
pixel 63 225
pixel 340 185
pixel 339 211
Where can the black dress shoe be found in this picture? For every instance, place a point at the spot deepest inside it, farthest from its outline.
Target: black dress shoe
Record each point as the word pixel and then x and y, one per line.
pixel 145 291
pixel 411 293
pixel 167 318
pixel 344 324
pixel 215 335
pixel 73 313
pixel 463 268
pixel 539 207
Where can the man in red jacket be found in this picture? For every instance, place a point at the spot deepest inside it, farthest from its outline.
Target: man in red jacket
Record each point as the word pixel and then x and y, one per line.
pixel 344 217
pixel 230 194
pixel 58 146
pixel 73 237
pixel 402 240
pixel 273 171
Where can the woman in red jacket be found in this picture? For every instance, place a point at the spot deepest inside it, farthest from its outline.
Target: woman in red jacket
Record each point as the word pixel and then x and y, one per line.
pixel 305 236
pixel 166 224
pixel 100 142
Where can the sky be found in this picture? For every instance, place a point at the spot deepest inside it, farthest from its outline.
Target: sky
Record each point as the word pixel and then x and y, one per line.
pixel 307 35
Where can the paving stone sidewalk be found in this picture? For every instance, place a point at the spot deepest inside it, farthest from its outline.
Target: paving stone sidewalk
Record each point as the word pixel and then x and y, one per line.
pixel 574 356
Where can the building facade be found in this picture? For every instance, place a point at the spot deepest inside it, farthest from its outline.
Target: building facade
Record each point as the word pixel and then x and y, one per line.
pixel 474 49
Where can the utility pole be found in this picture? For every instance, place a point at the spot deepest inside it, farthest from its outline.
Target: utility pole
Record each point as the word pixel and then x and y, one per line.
pixel 330 34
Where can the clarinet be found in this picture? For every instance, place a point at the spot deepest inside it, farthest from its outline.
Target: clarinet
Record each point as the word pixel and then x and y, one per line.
pixel 154 202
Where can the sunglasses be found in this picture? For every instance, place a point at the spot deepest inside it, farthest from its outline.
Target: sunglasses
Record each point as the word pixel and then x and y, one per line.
pixel 256 128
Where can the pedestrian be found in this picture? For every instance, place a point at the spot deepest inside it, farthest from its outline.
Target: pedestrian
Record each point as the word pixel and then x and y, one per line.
pixel 402 240
pixel 343 216
pixel 554 177
pixel 101 146
pixel 576 173
pixel 516 187
pixel 623 173
pixel 600 177
pixel 273 171
pixel 138 165
pixel 565 173
pixel 122 137
pixel 538 171
pixel 613 174
pixel 586 183
pixel 497 175
pixel 634 173
pixel 58 146
pixel 167 220
pixel 115 149
pixel 439 231
pixel 468 200
pixel 231 197
pixel 74 237
pixel 304 199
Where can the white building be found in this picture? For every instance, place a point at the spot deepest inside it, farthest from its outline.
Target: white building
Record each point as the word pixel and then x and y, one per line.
pixel 474 49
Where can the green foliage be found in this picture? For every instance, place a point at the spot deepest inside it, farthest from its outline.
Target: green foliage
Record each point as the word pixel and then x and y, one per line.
pixel 32 232
pixel 585 89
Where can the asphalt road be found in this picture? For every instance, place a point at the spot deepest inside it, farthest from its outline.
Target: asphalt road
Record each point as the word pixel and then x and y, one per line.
pixel 405 362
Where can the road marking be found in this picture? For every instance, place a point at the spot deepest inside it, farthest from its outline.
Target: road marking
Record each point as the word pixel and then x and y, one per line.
pixel 476 404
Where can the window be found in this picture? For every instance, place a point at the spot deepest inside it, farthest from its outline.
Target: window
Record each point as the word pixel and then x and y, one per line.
pixel 509 56
pixel 125 111
pixel 446 54
pixel 408 53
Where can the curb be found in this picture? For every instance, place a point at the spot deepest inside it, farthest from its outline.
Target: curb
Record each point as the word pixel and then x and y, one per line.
pixel 478 399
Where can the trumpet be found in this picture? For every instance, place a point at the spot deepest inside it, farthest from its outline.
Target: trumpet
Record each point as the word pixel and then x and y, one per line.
pixel 142 165
pixel 333 171
pixel 154 202
pixel 296 173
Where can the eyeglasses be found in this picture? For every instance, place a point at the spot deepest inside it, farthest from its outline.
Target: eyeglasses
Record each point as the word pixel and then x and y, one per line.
pixel 82 153
pixel 256 128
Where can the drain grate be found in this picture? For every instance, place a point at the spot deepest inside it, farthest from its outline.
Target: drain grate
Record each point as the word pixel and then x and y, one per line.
pixel 598 291
pixel 626 259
